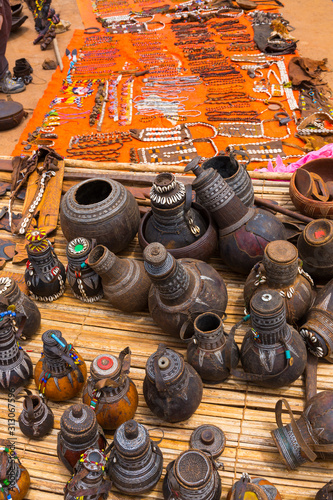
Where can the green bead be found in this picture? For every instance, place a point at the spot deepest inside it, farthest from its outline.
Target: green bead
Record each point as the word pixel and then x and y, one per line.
pixel 6 482
pixel 78 247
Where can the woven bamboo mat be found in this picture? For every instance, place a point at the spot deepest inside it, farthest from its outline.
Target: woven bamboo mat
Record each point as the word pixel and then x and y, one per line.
pixel 244 412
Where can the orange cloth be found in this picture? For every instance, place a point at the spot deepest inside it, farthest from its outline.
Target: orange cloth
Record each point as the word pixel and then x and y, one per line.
pixel 129 58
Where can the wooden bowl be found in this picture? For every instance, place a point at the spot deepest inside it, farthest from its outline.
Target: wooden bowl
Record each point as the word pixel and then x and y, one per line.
pixel 309 206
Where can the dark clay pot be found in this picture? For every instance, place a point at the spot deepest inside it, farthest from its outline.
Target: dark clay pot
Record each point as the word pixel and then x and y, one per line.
pixel 192 476
pixel 202 248
pixel 281 270
pixel 83 280
pixel 272 353
pixel 36 419
pixel 10 294
pixel 243 232
pixel 317 331
pixel 308 437
pixel 206 350
pixel 79 431
pixel 45 275
pixel 89 481
pixel 315 248
pixel 173 222
pixel 235 175
pixel 110 391
pixel 125 283
pixel 61 372
pixel 15 364
pixel 171 387
pixel 182 289
pixel 11 467
pixel 137 461
pixel 100 209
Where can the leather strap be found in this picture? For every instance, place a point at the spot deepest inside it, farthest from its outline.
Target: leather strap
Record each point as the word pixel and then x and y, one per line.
pixel 102 489
pixel 241 488
pixel 183 329
pixel 58 352
pixel 188 197
pixel 311 376
pixel 125 363
pixel 318 188
pixel 310 455
pixel 159 440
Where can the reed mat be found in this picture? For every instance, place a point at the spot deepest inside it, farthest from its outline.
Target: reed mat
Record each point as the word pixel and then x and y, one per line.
pixel 244 411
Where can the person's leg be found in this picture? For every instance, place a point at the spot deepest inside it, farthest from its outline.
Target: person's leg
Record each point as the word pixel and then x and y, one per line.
pixel 4 35
pixel 7 84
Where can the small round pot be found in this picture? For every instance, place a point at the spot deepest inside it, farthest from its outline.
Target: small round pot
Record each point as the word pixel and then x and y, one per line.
pixel 201 249
pixel 308 206
pixel 100 209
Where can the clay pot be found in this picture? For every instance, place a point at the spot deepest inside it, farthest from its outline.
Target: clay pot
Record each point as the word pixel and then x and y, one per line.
pixel 171 387
pixel 243 232
pixel 310 436
pixel 176 222
pixel 83 280
pixel 202 248
pixel 235 175
pixel 79 431
pixel 182 289
pixel 125 282
pixel 309 206
pixel 36 419
pixel 61 372
pixel 272 353
pixel 11 468
pixel 100 209
pixel 89 481
pixel 137 461
pixel 281 270
pixel 206 350
pixel 10 294
pixel 317 331
pixel 315 247
pixel 255 487
pixel 15 364
pixel 110 391
pixel 192 476
pixel 45 275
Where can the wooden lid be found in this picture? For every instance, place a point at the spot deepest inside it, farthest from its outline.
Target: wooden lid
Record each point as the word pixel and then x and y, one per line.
pixel 281 251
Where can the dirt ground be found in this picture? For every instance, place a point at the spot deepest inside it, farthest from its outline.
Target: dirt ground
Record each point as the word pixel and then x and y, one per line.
pixel 312 20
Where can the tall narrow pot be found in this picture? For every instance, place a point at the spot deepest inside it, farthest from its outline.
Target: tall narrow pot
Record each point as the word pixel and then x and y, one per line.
pixel 243 232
